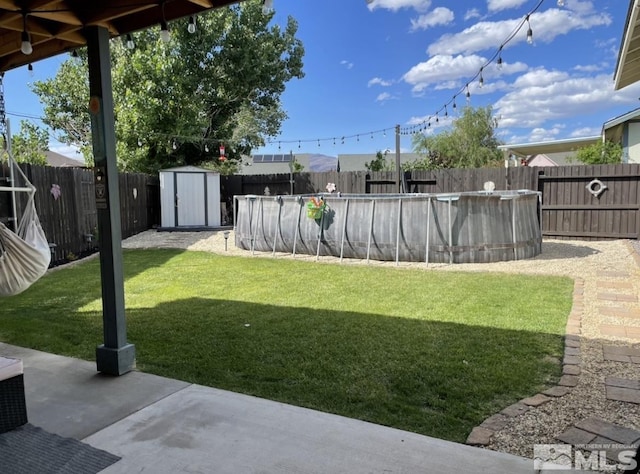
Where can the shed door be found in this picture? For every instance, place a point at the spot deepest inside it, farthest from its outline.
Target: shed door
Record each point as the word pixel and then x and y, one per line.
pixel 190 193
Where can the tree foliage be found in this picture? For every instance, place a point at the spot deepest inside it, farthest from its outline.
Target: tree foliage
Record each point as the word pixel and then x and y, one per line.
pixel 379 164
pixel 469 143
pixel 30 144
pixel 601 153
pixel 176 103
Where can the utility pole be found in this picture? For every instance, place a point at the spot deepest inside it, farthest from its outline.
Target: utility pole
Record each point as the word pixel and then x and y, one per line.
pixel 398 169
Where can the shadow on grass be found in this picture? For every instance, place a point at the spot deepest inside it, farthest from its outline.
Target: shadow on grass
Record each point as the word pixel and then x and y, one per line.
pixel 435 378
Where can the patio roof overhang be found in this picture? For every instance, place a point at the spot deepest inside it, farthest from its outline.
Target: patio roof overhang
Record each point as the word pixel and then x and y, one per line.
pixel 555 146
pixel 58 26
pixel 628 66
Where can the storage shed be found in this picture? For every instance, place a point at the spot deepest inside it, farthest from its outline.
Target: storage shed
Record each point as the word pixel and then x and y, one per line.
pixel 189 198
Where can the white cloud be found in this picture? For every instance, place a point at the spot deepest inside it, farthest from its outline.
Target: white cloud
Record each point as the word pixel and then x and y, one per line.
pixel 585 132
pixel 395 5
pixel 439 16
pixel 384 97
pixel 445 70
pixel 546 27
pixel 472 14
pixel 542 95
pixel 377 81
pixel 589 67
pixel 498 5
pixel 542 134
pixel 66 150
pixel 346 64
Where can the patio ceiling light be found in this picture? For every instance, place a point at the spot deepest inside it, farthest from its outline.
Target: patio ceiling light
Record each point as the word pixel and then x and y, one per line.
pixel 25 46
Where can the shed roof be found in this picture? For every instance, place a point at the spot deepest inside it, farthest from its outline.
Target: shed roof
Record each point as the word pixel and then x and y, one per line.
pixel 189 169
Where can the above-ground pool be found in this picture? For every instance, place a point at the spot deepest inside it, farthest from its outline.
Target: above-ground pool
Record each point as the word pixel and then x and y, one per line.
pixel 470 227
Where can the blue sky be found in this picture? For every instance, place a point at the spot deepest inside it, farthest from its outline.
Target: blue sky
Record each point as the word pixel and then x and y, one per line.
pixel 370 66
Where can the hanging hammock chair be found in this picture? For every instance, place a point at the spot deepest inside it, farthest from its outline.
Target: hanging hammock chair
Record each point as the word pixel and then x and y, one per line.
pixel 25 253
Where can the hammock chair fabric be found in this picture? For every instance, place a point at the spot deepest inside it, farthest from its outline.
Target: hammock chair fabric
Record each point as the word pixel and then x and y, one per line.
pixel 24 254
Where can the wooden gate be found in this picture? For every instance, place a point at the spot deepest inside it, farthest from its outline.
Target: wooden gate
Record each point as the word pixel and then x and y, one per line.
pixel 591 202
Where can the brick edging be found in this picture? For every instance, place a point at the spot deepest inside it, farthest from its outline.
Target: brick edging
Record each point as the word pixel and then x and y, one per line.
pixel 481 435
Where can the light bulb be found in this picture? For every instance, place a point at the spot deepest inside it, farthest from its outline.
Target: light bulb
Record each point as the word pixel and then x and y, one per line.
pixel 129 41
pixel 165 36
pixel 26 47
pixel 267 6
pixel 192 24
pixel 206 148
pixel 561 3
pixel 30 69
pixel 530 36
pixel 499 62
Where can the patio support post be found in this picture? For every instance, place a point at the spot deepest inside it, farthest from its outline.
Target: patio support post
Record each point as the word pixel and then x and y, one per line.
pixel 115 356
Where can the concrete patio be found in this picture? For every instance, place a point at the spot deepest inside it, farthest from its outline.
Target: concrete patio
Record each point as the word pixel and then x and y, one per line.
pixel 161 425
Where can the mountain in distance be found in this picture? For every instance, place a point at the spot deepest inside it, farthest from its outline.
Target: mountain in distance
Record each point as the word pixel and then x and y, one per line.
pixel 321 163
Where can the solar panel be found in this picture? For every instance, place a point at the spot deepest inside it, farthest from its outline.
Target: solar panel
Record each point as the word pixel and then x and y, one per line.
pixel 279 158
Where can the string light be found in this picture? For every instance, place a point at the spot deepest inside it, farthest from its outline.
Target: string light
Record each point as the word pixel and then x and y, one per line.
pixel 191 28
pixel 481 80
pixel 129 41
pixel 561 3
pixel 25 46
pixel 30 69
pixel 165 36
pixel 529 32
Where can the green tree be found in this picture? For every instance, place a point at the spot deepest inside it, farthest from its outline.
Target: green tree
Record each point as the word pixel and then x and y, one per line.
pixel 601 153
pixel 296 166
pixel 177 103
pixel 469 143
pixel 30 144
pixel 379 164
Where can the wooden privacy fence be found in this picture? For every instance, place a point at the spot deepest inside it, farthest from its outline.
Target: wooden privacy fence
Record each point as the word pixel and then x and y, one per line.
pixel 65 201
pixel 578 202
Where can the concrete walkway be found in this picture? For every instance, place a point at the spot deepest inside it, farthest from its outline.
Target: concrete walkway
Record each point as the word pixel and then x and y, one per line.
pixel 161 425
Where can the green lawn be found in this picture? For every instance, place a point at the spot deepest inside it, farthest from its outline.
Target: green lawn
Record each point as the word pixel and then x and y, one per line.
pixel 430 352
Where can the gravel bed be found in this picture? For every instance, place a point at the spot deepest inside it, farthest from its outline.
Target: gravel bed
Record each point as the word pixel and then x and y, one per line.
pixel 587 260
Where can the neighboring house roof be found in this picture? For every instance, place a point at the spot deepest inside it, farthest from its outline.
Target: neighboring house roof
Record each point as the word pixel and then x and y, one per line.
pixel 567 146
pixel 613 129
pixel 56 159
pixel 628 66
pixel 279 163
pixel 553 159
pixel 357 162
